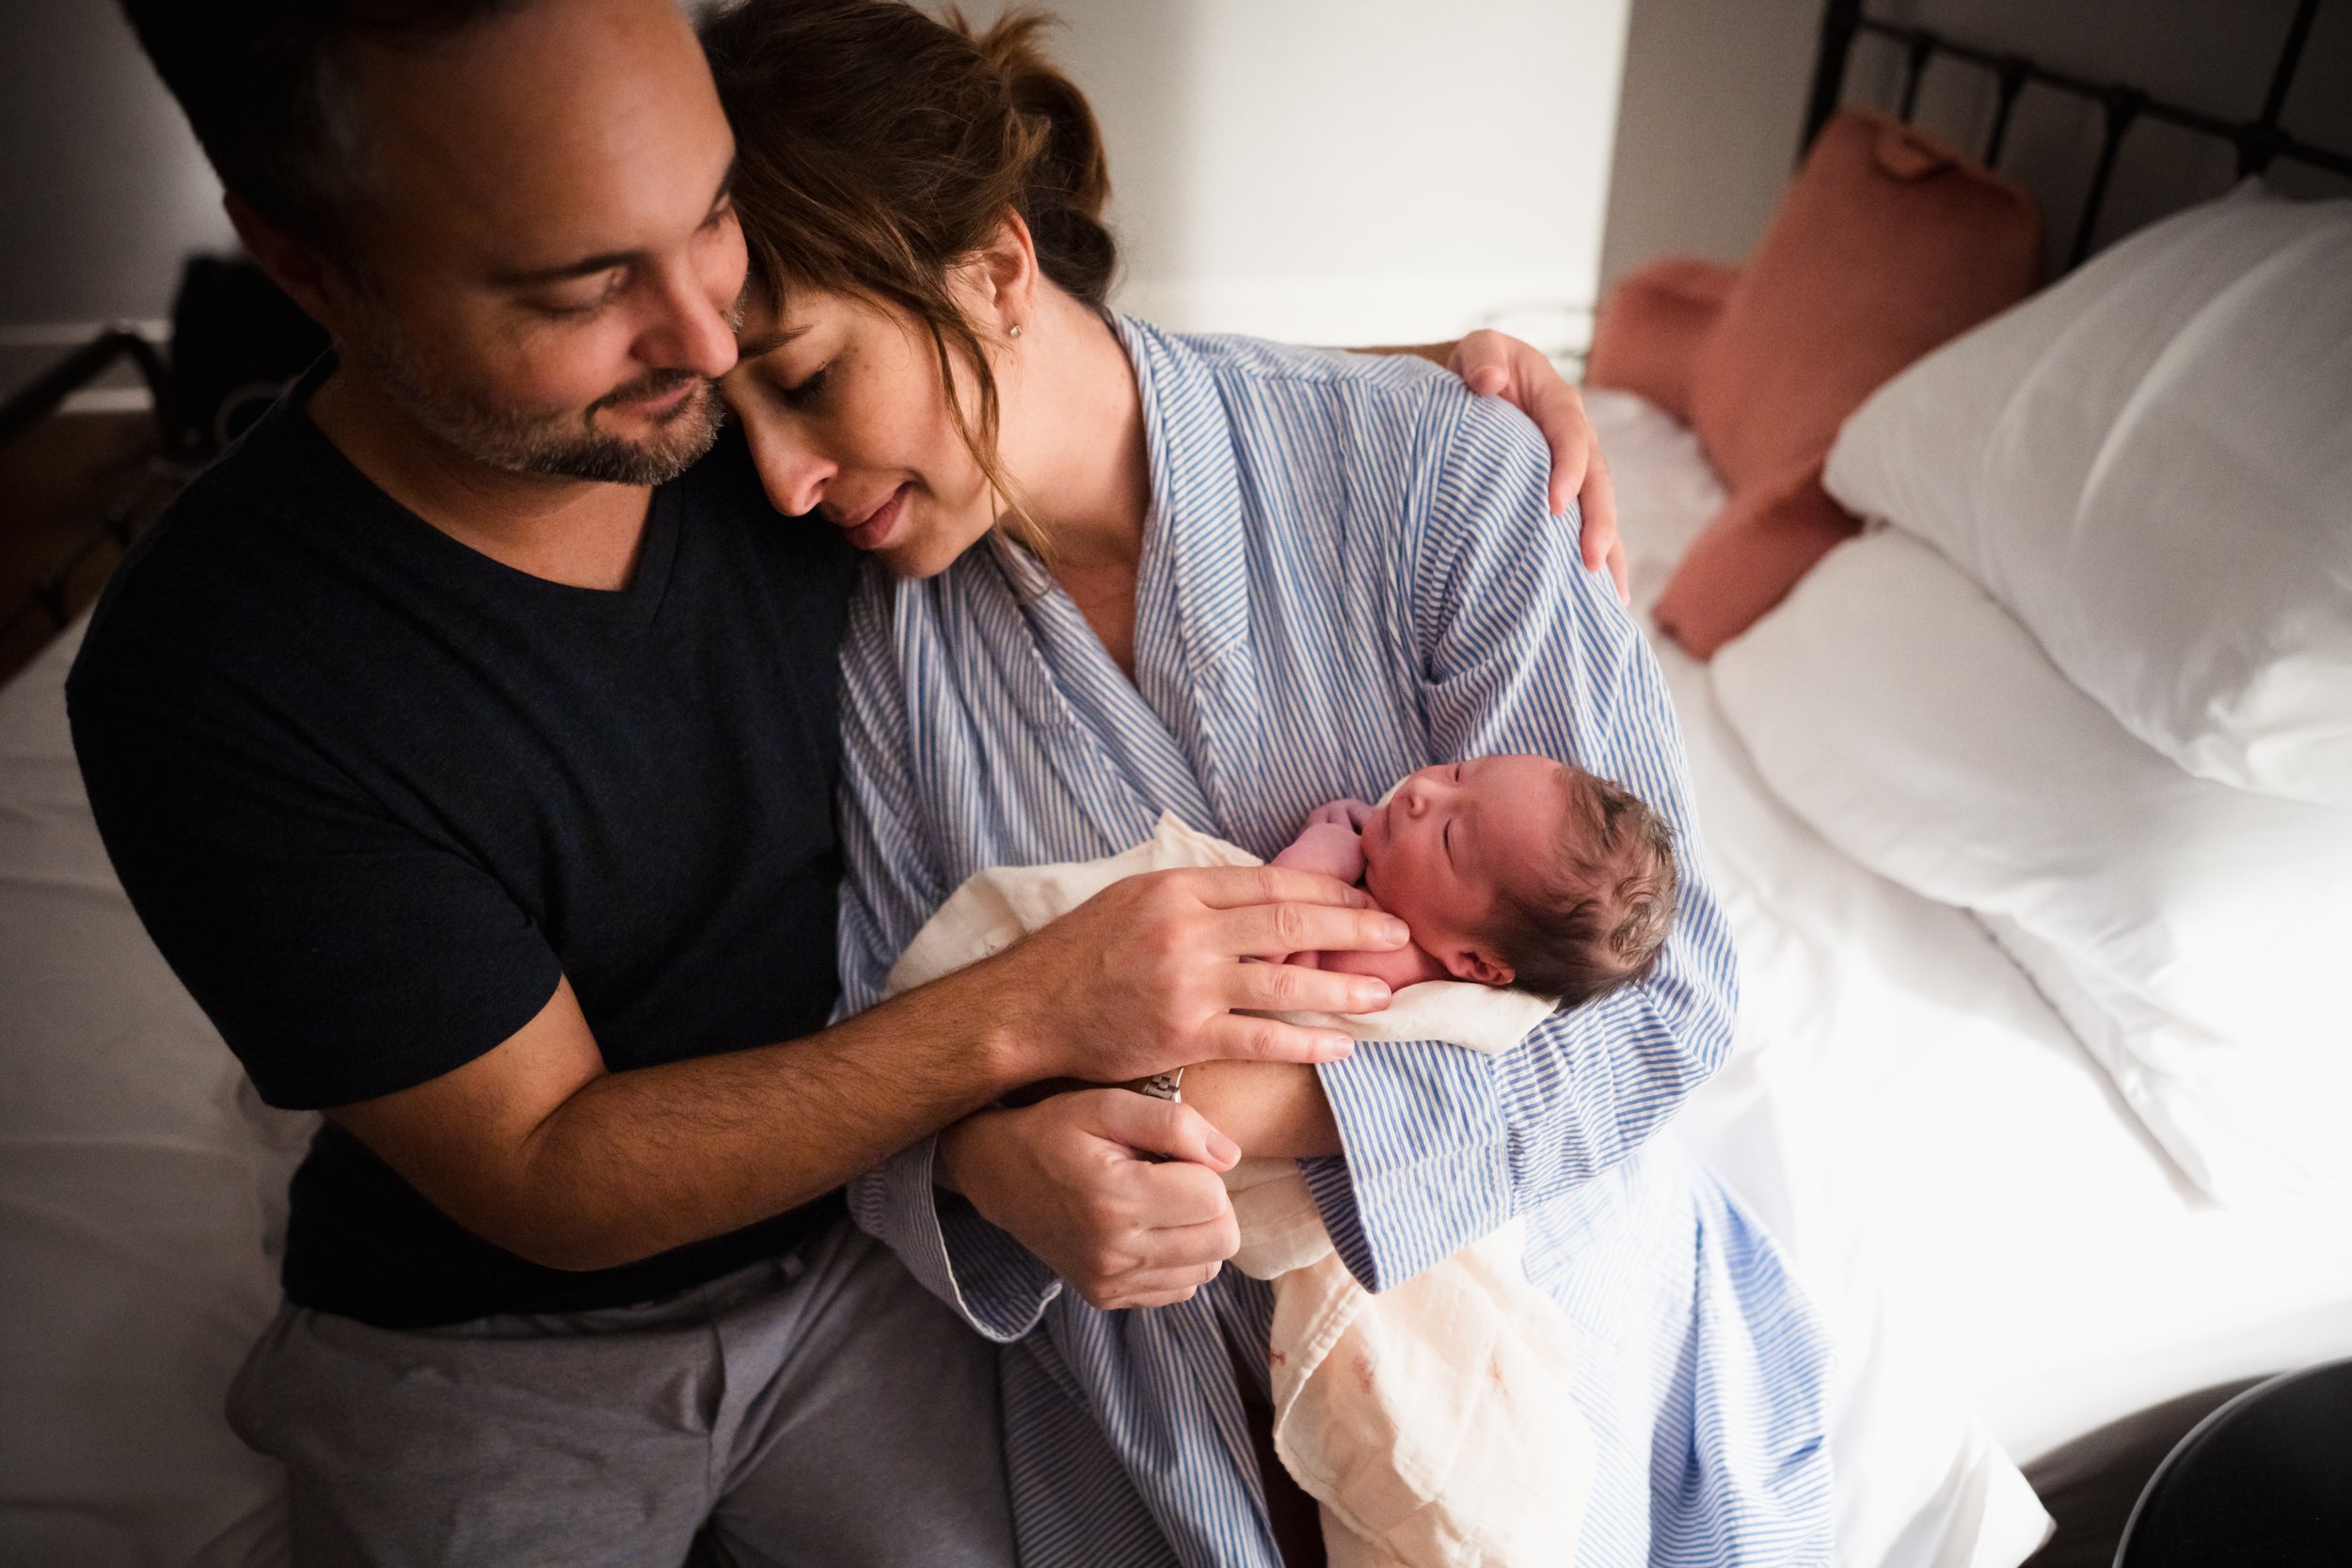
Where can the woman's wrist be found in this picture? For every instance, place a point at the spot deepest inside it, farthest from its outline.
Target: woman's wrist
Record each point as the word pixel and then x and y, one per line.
pixel 953 1153
pixel 1268 1108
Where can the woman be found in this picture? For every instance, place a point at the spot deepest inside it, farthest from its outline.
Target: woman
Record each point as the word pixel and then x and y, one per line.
pixel 1132 572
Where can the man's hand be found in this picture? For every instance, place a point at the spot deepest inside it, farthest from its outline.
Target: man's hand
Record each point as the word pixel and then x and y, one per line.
pixel 1147 974
pixel 1505 368
pixel 1072 1179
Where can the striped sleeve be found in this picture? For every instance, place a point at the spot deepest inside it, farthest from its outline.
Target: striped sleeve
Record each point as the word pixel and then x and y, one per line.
pixel 1521 650
pixel 890 886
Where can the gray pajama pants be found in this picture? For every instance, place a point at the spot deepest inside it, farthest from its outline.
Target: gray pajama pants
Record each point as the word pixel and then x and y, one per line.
pixel 822 1409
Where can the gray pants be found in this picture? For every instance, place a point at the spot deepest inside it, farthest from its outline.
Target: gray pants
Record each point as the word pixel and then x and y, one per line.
pixel 822 1409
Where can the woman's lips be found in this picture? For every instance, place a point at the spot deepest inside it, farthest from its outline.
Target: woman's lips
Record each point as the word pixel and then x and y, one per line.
pixel 874 532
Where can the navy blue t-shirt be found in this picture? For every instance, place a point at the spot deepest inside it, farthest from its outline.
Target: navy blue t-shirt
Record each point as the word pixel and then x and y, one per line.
pixel 373 793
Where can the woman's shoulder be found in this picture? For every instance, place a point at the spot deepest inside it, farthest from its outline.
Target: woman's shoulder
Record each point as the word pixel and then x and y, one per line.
pixel 1402 397
pixel 1402 383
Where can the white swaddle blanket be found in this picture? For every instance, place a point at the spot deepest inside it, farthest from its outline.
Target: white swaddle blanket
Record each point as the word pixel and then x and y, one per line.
pixel 1432 1422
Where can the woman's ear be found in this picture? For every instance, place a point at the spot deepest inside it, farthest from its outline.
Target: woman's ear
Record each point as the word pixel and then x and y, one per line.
pixel 1003 276
pixel 1469 964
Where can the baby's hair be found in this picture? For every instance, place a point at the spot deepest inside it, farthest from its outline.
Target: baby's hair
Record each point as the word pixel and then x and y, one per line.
pixel 1598 920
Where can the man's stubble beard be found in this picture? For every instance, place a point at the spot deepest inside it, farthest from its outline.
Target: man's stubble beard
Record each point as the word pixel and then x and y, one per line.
pixel 562 446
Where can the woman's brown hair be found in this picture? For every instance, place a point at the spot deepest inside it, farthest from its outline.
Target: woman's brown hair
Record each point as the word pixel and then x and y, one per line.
pixel 876 149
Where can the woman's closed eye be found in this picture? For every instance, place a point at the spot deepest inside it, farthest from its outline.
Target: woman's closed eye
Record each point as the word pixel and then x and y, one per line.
pixel 807 392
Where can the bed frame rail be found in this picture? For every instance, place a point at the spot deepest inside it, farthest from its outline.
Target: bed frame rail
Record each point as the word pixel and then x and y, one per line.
pixel 2260 141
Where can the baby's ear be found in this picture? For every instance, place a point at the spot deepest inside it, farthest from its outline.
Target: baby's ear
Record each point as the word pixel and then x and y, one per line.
pixel 1469 964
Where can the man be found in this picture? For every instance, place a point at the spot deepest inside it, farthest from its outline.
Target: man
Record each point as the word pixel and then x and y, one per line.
pixel 467 741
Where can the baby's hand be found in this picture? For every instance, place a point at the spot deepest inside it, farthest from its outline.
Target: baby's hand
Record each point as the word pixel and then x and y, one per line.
pixel 1351 815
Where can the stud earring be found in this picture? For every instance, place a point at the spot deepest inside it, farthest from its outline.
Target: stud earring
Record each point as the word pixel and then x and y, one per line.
pixel 1013 332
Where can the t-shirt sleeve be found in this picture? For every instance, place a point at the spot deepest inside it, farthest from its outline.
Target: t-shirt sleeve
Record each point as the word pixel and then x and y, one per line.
pixel 342 953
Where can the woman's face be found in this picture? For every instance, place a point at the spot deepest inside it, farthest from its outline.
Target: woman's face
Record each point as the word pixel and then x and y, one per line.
pixel 847 417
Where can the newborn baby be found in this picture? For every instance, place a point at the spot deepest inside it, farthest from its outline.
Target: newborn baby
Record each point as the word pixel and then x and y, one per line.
pixel 1509 871
pixel 1434 1422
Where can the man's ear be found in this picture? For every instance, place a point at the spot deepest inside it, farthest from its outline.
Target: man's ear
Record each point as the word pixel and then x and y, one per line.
pixel 295 264
pixel 1469 964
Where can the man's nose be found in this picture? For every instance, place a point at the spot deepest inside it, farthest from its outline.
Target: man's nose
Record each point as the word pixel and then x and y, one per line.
pixel 688 332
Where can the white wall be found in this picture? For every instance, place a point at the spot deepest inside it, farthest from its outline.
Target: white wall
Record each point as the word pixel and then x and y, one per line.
pixel 1350 171
pixel 103 188
pixel 1329 170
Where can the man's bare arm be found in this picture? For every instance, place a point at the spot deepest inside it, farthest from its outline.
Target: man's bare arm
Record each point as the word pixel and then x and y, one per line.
pixel 536 1147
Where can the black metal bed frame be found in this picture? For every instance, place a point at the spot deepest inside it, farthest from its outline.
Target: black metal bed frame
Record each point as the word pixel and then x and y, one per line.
pixel 44 396
pixel 2260 141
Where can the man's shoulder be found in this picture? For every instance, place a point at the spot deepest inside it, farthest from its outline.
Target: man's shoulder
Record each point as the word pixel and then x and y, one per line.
pixel 185 588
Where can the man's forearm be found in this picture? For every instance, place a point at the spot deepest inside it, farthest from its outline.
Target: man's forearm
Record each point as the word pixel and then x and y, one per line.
pixel 638 1162
pixel 536 1147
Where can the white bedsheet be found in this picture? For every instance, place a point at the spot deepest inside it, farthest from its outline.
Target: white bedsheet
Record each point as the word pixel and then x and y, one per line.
pixel 1936 1122
pixel 142 1196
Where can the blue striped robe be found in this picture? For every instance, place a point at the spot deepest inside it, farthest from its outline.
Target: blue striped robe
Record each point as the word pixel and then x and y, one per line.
pixel 1348 574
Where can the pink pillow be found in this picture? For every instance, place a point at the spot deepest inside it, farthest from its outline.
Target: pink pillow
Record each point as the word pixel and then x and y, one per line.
pixel 1651 328
pixel 1886 243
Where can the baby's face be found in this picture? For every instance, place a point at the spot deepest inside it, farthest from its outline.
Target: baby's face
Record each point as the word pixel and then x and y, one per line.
pixel 1452 838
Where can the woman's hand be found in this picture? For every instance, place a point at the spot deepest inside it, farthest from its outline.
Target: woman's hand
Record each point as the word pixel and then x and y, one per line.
pixel 1147 975
pixel 1074 1180
pixel 1505 368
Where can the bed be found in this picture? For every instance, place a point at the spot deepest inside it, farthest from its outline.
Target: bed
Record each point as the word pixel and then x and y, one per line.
pixel 2007 1253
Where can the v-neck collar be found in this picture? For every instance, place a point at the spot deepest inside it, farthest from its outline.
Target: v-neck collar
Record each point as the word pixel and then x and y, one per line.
pixel 1197 499
pixel 1166 735
pixel 1091 697
pixel 634 605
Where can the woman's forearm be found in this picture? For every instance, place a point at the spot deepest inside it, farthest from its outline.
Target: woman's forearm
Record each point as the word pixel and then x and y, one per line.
pixel 1268 1108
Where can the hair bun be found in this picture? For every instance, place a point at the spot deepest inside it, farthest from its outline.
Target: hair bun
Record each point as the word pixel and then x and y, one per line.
pixel 1067 181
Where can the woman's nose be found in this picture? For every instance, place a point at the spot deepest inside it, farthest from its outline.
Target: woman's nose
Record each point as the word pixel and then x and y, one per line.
pixel 793 473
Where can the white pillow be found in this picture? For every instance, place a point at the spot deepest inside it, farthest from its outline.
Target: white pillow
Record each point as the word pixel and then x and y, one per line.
pixel 2150 463
pixel 2195 936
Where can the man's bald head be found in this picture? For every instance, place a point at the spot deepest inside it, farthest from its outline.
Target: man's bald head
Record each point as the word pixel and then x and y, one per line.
pixel 263 89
